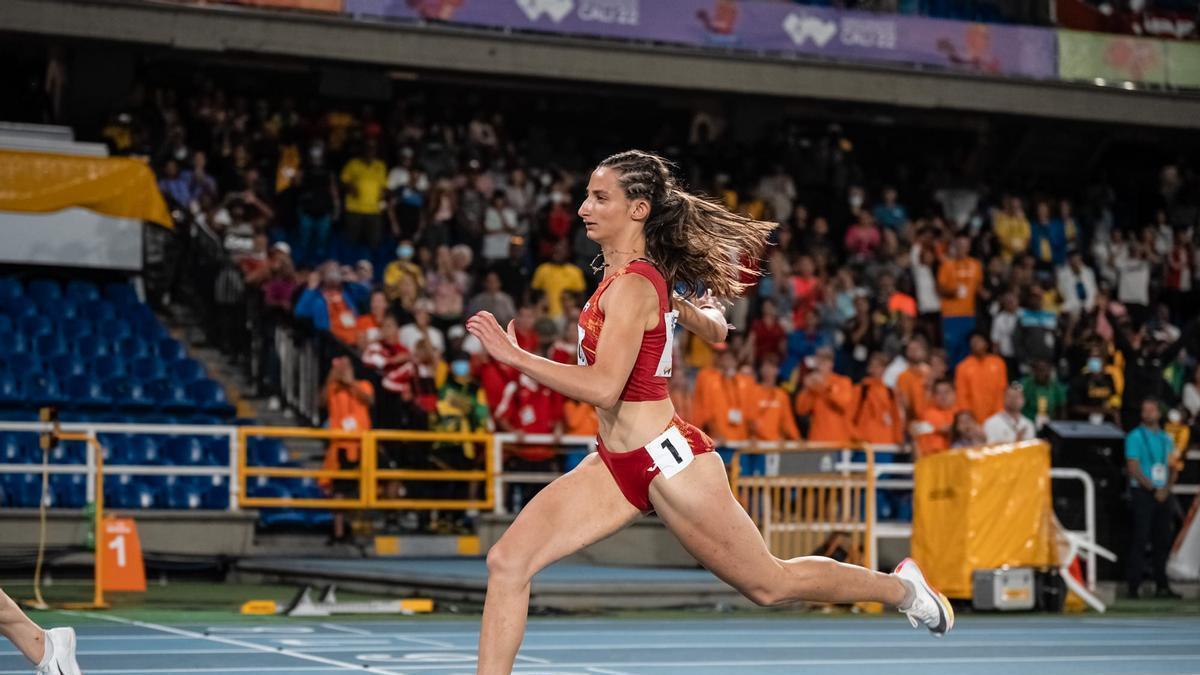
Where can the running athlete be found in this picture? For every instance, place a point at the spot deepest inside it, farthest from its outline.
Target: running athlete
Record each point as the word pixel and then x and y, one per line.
pixel 51 651
pixel 654 236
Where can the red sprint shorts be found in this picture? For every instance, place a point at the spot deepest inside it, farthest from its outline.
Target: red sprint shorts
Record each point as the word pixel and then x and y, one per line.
pixel 669 453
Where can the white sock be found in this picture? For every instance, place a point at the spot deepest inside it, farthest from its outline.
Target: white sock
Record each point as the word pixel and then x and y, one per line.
pixel 48 646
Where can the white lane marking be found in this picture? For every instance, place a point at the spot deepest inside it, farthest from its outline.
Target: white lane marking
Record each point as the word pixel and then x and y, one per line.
pixel 606 671
pixel 426 642
pixel 236 643
pixel 347 629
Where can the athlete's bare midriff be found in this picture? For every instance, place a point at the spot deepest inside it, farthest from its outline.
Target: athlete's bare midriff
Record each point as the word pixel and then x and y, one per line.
pixel 630 425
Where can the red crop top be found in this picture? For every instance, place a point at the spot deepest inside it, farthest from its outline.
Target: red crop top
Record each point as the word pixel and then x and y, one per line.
pixel 648 379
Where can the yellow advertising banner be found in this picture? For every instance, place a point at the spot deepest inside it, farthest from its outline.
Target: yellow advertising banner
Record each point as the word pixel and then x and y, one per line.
pixel 982 508
pixel 36 182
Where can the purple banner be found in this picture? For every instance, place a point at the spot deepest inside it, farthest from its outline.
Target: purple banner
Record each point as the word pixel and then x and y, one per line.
pixel 756 26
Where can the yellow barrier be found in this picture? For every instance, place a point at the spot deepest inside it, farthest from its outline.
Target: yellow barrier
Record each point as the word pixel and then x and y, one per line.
pixel 799 513
pixel 367 474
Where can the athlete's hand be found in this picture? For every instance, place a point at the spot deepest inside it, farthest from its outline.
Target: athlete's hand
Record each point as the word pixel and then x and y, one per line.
pixel 500 345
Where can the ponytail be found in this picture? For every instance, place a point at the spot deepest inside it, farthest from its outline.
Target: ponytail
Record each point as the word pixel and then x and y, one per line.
pixel 696 243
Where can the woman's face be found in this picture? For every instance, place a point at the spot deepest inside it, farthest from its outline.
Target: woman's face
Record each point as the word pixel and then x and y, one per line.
pixel 605 211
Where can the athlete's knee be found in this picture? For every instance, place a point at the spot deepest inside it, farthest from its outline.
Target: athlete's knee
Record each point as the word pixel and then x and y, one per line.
pixel 506 565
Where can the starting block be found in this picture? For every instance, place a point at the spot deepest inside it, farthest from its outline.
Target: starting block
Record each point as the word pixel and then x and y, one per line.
pixel 303 605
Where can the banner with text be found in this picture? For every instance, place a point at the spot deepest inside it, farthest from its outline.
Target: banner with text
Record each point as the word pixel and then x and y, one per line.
pixel 756 26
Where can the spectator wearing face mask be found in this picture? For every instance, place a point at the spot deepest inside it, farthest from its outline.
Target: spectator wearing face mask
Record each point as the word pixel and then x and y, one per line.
pixel 403 266
pixel 1093 393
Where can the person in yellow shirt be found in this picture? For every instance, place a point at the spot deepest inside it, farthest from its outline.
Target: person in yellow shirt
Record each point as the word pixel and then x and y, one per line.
pixel 980 380
pixel 958 279
pixel 557 276
pixel 827 399
pixel 1011 228
pixel 365 180
pixel 403 266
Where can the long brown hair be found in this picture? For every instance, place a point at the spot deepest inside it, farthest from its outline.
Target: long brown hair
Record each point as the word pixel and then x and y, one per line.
pixel 695 242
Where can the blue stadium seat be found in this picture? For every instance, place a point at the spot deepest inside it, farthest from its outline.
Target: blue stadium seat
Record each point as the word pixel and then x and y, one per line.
pixel 86 391
pixel 22 364
pixel 184 497
pixel 10 290
pixel 187 371
pixel 93 347
pixel 266 452
pixel 69 452
pixel 65 366
pixel 217 496
pixel 82 291
pixel 42 389
pixel 69 489
pixel 187 451
pixel 211 397
pixel 21 308
pixel 121 294
pixel 76 330
pixel 44 291
pixel 129 394
pixel 114 329
pixel 63 310
pixel 6 323
pixel 35 325
pixel 100 312
pixel 14 342
pixel 144 449
pixel 106 367
pixel 24 489
pixel 216 450
pixel 10 389
pixel 170 350
pixel 147 368
pixel 13 450
pixel 49 345
pixel 170 394
pixel 133 348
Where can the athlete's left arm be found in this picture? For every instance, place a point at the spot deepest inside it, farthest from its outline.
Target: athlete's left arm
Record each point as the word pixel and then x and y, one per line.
pixel 704 317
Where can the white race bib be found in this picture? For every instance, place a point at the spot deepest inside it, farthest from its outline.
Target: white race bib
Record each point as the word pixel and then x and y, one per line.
pixel 670 452
pixel 664 360
pixel 580 359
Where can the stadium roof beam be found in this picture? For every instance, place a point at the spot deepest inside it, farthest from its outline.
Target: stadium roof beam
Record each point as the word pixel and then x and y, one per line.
pixel 218 28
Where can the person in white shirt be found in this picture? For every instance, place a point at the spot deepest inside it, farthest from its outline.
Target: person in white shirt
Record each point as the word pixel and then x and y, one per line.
pixel 1009 425
pixel 1076 285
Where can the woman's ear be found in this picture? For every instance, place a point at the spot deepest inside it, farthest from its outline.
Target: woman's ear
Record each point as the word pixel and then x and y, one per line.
pixel 639 210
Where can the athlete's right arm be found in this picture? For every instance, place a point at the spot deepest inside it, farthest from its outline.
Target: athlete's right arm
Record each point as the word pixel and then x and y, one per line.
pixel 628 305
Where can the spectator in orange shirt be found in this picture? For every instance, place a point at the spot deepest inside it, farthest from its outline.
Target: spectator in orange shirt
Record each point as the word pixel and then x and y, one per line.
pixel 721 402
pixel 980 380
pixel 959 279
pixel 877 418
pixel 349 403
pixel 931 431
pixel 911 384
pixel 370 323
pixel 771 415
pixel 826 398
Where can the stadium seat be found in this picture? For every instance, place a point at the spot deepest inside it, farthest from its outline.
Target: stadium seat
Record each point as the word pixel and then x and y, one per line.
pixel 107 367
pixel 6 323
pixel 70 490
pixel 40 389
pixel 10 290
pixel 49 345
pixel 35 325
pixel 144 450
pixel 13 451
pixel 121 294
pixel 86 391
pixel 22 364
pixel 82 291
pixel 100 312
pixel 129 394
pixel 131 348
pixel 65 366
pixel 210 396
pixel 10 389
pixel 266 452
pixel 14 342
pixel 170 350
pixel 186 451
pixel 186 371
pixel 92 348
pixel 114 329
pixel 170 394
pixel 69 452
pixel 44 291
pixel 147 368
pixel 63 310
pixel 184 497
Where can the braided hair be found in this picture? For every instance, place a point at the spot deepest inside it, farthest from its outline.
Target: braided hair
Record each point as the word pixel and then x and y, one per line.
pixel 695 242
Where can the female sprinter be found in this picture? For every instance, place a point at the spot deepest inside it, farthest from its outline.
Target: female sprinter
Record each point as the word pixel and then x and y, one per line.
pixel 654 235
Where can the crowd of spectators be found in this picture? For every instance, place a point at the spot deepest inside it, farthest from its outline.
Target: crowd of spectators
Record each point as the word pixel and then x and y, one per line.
pixel 978 316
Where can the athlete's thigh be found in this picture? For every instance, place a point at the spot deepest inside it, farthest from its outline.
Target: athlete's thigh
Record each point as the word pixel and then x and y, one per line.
pixel 698 507
pixel 577 509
